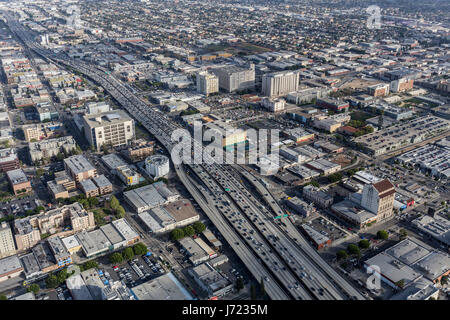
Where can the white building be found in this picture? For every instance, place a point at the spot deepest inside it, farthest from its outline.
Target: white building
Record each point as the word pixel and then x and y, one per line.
pixel 280 83
pixel 7 246
pixel 114 128
pixel 157 166
pixel 207 83
pixel 273 105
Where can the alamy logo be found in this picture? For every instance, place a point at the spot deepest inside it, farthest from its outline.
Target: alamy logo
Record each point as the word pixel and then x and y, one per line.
pixel 374 280
pixel 225 147
pixel 374 20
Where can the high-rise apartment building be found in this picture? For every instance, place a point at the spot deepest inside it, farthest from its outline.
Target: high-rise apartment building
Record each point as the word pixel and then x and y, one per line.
pixel 280 83
pixel 207 83
pixel 7 246
pixel 113 128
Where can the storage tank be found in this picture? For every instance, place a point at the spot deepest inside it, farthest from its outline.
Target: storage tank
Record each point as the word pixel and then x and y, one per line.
pixel 157 166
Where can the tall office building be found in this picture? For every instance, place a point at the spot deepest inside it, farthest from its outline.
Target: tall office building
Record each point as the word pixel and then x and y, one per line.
pixel 207 83
pixel 114 128
pixel 379 198
pixel 7 246
pixel 280 83
pixel 233 78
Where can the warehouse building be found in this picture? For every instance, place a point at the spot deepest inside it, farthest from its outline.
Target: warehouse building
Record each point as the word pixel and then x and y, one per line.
pixel 93 243
pixel 166 218
pixel 10 267
pixel 403 134
pixel 319 240
pixel 196 253
pixel 436 227
pixel 213 283
pixel 324 166
pixel 432 157
pixel 408 261
pixel 150 196
pixel 165 287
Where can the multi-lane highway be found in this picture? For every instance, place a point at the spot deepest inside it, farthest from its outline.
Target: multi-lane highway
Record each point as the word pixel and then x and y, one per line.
pixel 290 267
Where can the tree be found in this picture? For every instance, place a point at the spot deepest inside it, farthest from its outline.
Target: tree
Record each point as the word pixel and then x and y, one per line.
pixel 128 254
pixel 116 258
pixel 364 244
pixel 120 211
pixel 114 203
pixel 353 249
pixel 189 231
pixel 34 288
pixel 335 177
pixel 177 234
pixel 403 233
pixel 93 202
pixel 140 249
pixel 62 276
pixel 199 227
pixel 382 234
pixel 90 264
pixel 341 254
pixel 51 282
pixel 444 280
pixel 3 297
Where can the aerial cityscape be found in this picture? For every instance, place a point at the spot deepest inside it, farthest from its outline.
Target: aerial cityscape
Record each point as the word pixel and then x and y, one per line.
pixel 234 150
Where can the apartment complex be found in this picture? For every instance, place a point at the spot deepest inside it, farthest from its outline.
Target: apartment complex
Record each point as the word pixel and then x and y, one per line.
pixel 113 128
pixel 207 83
pixel 51 147
pixel 40 131
pixel 61 186
pixel 28 230
pixel 79 168
pixel 280 83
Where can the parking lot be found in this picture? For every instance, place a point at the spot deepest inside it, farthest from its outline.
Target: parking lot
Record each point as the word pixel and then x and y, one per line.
pixel 135 272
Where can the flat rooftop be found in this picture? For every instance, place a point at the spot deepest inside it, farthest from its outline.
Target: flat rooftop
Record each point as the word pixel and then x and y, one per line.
pixel 78 164
pixel 17 176
pixel 165 287
pixel 107 118
pixel 181 210
pixel 9 264
pixel 124 228
pixel 88 185
pixel 353 211
pixel 112 234
pixel 113 161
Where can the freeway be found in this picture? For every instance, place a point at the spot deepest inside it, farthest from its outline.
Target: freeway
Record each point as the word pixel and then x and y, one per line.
pixel 290 230
pixel 313 280
pixel 162 128
pixel 207 201
pixel 254 239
